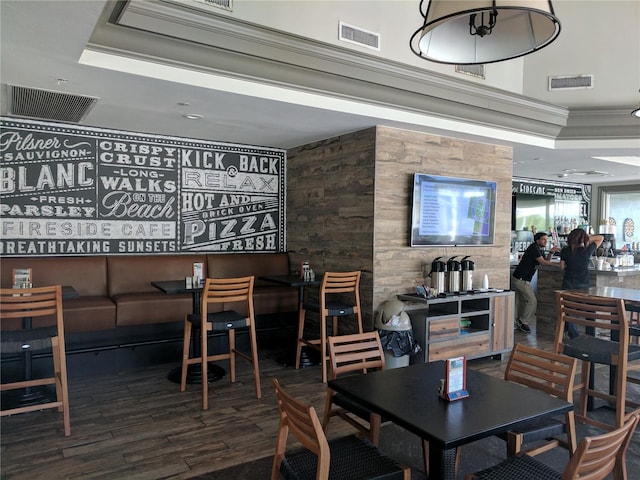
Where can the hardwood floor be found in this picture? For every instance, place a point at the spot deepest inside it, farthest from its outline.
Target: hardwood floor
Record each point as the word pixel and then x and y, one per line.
pixel 137 424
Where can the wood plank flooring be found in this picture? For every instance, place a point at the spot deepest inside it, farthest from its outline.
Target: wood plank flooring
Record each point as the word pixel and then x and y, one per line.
pixel 137 424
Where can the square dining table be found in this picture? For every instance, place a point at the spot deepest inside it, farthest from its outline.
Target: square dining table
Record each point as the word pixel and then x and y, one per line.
pixel 409 397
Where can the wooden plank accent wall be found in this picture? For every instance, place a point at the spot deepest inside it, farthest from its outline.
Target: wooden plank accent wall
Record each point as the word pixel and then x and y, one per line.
pixel 399 268
pixel 330 208
pixel 348 205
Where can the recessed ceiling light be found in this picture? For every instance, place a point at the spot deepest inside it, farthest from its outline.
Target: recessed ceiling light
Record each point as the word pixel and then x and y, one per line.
pixel 192 116
pixel 184 104
pixel 636 113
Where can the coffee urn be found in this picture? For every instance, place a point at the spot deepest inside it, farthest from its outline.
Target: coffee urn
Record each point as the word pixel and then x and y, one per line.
pixel 468 266
pixel 454 268
pixel 438 269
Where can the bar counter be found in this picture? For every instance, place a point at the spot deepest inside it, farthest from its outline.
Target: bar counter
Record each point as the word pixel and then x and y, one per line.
pixel 550 280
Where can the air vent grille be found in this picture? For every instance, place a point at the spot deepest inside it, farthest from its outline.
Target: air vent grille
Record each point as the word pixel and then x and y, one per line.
pixel 226 4
pixel 473 70
pixel 351 34
pixel 49 105
pixel 570 82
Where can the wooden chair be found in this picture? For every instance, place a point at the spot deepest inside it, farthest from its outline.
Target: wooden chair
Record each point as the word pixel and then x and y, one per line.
pixel 217 295
pixel 335 288
pixel 343 458
pixel 594 459
pixel 35 303
pixel 633 309
pixel 359 352
pixel 606 342
pixel 554 374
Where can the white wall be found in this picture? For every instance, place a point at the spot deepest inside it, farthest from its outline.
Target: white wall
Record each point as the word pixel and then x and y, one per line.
pixel 394 20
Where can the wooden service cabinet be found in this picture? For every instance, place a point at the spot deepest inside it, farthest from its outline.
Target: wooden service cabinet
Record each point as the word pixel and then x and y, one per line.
pixel 474 325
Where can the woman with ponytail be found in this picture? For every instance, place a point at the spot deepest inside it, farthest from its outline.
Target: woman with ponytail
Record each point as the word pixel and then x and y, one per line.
pixel 574 261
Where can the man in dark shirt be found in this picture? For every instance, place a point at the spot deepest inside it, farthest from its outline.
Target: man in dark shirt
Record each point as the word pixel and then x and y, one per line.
pixel 526 301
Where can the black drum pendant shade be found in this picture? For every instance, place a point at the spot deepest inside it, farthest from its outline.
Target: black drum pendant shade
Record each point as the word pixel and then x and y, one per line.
pixel 483 31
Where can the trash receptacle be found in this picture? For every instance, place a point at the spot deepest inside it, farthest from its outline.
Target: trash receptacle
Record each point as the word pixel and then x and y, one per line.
pixel 396 334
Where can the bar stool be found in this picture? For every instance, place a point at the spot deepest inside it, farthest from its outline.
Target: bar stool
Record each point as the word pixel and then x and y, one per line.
pixel 339 296
pixel 219 294
pixel 28 304
pixel 605 319
pixel 633 308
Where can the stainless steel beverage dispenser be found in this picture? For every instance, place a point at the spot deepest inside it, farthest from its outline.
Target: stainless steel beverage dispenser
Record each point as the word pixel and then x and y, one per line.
pixel 468 267
pixel 437 275
pixel 454 268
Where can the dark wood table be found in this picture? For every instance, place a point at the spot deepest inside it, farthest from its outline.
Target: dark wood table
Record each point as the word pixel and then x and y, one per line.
pixel 295 281
pixel 408 397
pixel 194 371
pixel 626 294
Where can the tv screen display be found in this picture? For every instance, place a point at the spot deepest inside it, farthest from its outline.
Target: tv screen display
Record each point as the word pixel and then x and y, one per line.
pixel 452 211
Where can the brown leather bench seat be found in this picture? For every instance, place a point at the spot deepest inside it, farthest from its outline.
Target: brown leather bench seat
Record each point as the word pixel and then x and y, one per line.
pixel 116 291
pixel 137 301
pixel 92 311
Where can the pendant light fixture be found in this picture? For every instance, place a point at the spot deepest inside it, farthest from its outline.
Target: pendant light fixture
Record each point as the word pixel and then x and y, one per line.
pixel 475 32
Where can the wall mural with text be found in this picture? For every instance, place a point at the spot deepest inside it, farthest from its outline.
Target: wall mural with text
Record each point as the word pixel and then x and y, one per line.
pixel 75 190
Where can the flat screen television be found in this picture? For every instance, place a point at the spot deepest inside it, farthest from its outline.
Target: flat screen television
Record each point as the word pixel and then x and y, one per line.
pixel 452 211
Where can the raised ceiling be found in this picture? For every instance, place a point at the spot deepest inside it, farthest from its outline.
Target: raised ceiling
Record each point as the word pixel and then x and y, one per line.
pixel 151 63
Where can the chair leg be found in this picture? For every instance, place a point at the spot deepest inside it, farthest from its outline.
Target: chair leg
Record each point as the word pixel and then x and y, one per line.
pixel 301 316
pixel 256 365
pixel 324 358
pixel 425 456
pixel 186 342
pixel 584 389
pixel 570 421
pixel 359 319
pixel 374 428
pixel 62 388
pixel 57 374
pixel 514 443
pixel 328 403
pixel 204 354
pixel 621 395
pixel 232 355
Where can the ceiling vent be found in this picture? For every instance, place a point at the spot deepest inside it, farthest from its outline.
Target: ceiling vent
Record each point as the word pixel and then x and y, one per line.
pixel 48 105
pixel 351 34
pixel 225 4
pixel 570 82
pixel 473 70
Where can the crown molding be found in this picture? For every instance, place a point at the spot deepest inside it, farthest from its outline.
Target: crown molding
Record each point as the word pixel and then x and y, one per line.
pixel 171 34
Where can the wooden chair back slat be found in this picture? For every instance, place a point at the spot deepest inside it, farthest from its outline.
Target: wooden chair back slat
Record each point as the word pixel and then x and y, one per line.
pixel 597 457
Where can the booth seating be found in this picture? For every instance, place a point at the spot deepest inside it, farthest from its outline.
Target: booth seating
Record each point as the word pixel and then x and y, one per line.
pixel 117 305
